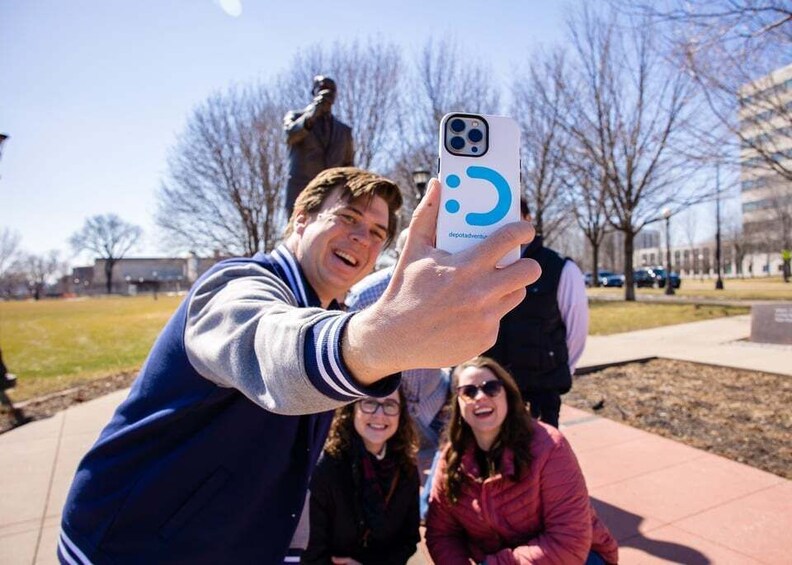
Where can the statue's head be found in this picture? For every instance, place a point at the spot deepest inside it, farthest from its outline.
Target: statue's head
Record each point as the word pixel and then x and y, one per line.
pixel 323 83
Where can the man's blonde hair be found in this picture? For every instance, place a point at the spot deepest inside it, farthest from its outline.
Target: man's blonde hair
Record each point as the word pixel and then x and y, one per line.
pixel 355 184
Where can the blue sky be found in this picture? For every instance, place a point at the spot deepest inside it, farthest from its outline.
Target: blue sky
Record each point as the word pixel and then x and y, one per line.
pixel 94 93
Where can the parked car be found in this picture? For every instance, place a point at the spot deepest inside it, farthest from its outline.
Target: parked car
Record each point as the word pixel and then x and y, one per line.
pixel 643 278
pixel 654 276
pixel 660 275
pixel 606 278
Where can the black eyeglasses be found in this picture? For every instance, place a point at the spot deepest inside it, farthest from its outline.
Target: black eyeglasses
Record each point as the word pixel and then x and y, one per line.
pixel 490 388
pixel 370 406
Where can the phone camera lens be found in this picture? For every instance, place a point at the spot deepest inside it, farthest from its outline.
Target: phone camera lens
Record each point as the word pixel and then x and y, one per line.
pixel 457 142
pixel 457 125
pixel 475 135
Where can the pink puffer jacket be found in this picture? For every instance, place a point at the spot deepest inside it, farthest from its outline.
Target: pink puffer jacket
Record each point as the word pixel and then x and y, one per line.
pixel 545 517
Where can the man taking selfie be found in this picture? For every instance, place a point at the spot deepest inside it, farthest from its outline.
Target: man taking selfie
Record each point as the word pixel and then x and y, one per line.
pixel 208 460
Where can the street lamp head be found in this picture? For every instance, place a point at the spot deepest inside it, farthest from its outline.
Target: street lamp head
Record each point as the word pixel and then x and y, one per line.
pixel 666 213
pixel 421 178
pixel 3 137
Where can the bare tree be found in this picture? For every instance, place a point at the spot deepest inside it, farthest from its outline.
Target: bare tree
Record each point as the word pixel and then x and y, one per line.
pixel 226 175
pixel 14 281
pixel 540 105
pixel 12 275
pixel 444 79
pixel 732 230
pixel 447 79
pixel 585 195
pixel 40 270
pixel 731 48
pixel 368 76
pixel 776 211
pixel 109 237
pixel 629 119
pixel 738 53
pixel 690 228
pixel 9 249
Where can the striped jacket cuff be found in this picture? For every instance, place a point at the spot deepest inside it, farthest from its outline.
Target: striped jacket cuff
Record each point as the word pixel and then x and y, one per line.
pixel 325 365
pixel 323 360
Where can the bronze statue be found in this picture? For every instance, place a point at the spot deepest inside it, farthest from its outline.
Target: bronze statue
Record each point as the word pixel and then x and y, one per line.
pixel 317 140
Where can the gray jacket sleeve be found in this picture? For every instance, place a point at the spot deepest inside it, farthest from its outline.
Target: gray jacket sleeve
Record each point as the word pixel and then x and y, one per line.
pixel 244 330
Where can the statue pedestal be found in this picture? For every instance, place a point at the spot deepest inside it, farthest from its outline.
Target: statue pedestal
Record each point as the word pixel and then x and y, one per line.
pixel 772 323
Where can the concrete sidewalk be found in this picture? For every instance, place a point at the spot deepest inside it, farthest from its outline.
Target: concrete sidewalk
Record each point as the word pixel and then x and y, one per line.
pixel 722 341
pixel 664 501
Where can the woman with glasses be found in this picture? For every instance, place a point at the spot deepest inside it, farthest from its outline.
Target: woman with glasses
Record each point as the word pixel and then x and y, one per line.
pixel 508 489
pixel 364 491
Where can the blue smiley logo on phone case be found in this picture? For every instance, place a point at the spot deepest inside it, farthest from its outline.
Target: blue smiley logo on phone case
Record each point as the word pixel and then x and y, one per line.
pixel 501 186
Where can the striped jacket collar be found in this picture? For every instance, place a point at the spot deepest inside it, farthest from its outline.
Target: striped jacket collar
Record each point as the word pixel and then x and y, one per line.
pixel 292 273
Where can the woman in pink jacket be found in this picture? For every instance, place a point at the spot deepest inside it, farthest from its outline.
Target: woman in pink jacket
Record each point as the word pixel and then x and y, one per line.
pixel 508 489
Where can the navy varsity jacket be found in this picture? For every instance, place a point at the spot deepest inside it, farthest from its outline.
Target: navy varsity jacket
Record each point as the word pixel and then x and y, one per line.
pixel 209 458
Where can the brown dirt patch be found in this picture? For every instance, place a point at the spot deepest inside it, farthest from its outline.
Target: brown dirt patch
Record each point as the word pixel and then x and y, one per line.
pixel 742 415
pixel 47 406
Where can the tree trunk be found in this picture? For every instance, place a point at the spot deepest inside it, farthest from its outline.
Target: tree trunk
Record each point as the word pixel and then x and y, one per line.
pixel 595 282
pixel 629 289
pixel 109 264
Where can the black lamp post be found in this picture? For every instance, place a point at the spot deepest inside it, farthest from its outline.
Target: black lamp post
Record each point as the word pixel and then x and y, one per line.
pixel 3 137
pixel 719 280
pixel 421 179
pixel 669 286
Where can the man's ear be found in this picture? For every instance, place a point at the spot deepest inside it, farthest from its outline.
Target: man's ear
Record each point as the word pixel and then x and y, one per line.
pixel 301 220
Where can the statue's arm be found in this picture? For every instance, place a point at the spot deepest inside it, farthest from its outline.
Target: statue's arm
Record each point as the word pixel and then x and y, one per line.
pixel 296 125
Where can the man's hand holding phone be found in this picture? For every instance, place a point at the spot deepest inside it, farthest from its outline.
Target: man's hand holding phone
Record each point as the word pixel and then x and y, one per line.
pixel 440 308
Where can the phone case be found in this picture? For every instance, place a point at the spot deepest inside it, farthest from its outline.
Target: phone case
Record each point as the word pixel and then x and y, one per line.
pixel 480 193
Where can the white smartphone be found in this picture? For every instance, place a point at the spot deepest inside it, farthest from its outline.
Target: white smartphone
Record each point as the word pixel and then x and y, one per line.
pixel 479 172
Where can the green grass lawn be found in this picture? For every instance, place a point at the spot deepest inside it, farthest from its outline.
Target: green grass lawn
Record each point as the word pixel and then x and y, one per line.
pixel 53 344
pixel 617 317
pixel 759 288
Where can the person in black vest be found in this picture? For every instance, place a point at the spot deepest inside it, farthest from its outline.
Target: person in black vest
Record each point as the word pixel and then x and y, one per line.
pixel 542 339
pixel 316 140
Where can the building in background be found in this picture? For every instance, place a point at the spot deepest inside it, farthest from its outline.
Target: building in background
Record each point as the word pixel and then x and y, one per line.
pixel 766 128
pixel 136 275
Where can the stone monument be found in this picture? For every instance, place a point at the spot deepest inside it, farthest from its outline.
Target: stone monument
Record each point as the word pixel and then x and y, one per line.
pixel 772 323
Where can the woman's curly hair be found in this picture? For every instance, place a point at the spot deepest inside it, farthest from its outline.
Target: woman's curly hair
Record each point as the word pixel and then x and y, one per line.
pixel 516 431
pixel 403 444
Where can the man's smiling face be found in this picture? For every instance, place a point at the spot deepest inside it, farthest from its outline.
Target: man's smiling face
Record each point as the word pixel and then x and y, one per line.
pixel 339 244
